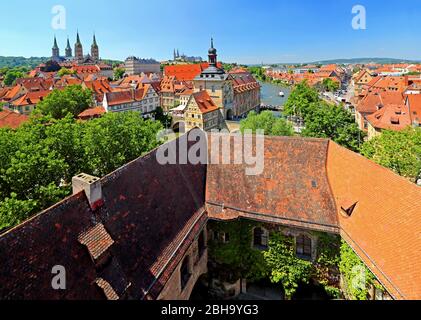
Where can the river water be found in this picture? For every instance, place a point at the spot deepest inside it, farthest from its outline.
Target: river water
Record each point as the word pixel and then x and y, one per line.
pixel 270 94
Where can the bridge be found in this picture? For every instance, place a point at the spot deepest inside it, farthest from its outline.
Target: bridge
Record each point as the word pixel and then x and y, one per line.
pixel 270 107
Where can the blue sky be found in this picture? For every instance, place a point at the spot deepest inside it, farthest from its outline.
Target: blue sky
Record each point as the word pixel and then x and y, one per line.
pixel 245 31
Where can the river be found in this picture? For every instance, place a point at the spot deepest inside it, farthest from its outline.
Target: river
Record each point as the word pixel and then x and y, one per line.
pixel 270 94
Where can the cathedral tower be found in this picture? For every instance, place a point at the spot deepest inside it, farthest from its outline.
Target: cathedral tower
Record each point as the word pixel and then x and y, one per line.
pixel 55 51
pixel 95 50
pixel 78 50
pixel 69 53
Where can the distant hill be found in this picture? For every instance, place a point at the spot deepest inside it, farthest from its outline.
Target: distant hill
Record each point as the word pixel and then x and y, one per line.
pixel 33 61
pixel 21 61
pixel 351 61
pixel 365 61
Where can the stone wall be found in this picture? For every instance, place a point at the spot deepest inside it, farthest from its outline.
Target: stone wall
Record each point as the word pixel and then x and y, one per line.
pixel 198 265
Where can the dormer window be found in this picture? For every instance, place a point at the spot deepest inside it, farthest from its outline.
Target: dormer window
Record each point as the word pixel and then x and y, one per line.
pixel 394 120
pixel 348 208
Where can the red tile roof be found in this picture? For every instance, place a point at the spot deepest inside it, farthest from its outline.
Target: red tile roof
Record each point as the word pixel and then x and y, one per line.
pixel 372 101
pixel 293 188
pixel 305 182
pixel 204 102
pixel 96 239
pixel 13 120
pixel 92 113
pixel 127 96
pixel 186 72
pixel 391 117
pixel 31 98
pixel 385 227
pixel 414 104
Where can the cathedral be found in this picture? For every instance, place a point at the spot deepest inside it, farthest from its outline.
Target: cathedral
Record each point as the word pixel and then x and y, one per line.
pixel 79 58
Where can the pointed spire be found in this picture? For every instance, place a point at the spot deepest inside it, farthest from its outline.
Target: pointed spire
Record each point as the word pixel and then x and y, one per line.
pixel 55 43
pixel 212 43
pixel 68 43
pixel 94 43
pixel 77 38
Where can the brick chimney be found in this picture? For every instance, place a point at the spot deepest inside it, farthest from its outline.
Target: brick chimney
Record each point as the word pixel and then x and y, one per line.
pixel 92 187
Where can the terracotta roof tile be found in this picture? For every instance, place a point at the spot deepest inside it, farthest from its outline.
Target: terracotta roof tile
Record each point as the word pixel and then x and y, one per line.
pixel 391 117
pixel 13 120
pixel 97 240
pixel 204 102
pixel 385 227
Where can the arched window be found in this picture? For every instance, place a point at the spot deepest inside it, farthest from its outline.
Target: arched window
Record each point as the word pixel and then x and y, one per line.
pixel 303 246
pixel 185 272
pixel 260 238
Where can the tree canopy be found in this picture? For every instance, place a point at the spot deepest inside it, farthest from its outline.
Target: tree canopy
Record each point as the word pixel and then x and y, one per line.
pixel 118 73
pixel 323 120
pixel 65 71
pixel 38 160
pixel 266 121
pixel 10 75
pixel 330 85
pixel 399 151
pixel 285 267
pixel 333 122
pixel 302 98
pixel 73 99
pixel 258 73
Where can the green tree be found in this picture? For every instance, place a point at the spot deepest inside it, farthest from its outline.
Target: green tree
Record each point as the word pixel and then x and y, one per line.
pixel 333 122
pixel 285 267
pixel 73 99
pixel 358 278
pixel 258 73
pixel 301 99
pixel 160 116
pixel 65 71
pixel 38 160
pixel 14 211
pixel 399 151
pixel 118 73
pixel 117 138
pixel 330 85
pixel 12 75
pixel 266 121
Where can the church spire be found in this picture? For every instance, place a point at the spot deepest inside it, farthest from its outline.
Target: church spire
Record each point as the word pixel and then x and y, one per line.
pixel 95 50
pixel 78 38
pixel 68 49
pixel 94 43
pixel 55 51
pixel 78 49
pixel 55 43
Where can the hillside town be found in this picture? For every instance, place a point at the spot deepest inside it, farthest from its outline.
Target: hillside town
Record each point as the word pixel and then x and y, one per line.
pixel 381 97
pixel 327 207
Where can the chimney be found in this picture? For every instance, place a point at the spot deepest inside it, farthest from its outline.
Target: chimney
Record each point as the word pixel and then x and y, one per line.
pixel 92 187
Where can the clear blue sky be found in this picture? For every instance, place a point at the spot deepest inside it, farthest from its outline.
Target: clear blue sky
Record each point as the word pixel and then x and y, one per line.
pixel 245 31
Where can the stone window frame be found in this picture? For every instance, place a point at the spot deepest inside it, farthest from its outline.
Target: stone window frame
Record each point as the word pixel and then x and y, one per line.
pixel 304 255
pixel 265 234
